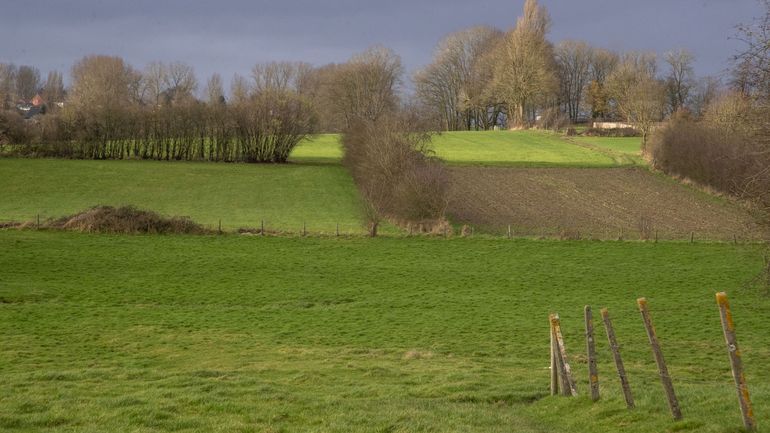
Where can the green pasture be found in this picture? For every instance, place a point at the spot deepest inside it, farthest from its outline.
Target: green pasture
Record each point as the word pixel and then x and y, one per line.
pixel 249 334
pixel 499 148
pixel 240 195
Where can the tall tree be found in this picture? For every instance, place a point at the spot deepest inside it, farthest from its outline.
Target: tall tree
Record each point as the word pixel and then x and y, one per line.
pixel 525 74
pixel 7 85
pixel 451 85
pixel 27 82
pixel 753 63
pixel 680 79
pixel 180 83
pixel 239 89
pixel 104 81
pixel 638 96
pixel 367 86
pixel 214 92
pixel 53 91
pixel 574 59
pixel 603 62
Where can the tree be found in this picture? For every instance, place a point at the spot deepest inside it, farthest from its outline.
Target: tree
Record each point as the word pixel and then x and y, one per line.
pixel 680 80
pixel 753 63
pixel 7 85
pixel 450 85
pixel 603 62
pixel 366 86
pixel 574 60
pixel 27 82
pixel 180 83
pixel 104 81
pixel 154 82
pixel 214 92
pixel 239 89
pixel 525 75
pixel 636 93
pixel 53 91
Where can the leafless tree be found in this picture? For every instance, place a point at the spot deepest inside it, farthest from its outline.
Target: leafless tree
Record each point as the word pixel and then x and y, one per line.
pixel 453 84
pixel 574 59
pixel 366 87
pixel 27 82
pixel 239 89
pixel 603 62
pixel 638 96
pixel 753 63
pixel 104 81
pixel 180 83
pixel 214 92
pixel 525 72
pixel 154 82
pixel 680 79
pixel 7 85
pixel 53 91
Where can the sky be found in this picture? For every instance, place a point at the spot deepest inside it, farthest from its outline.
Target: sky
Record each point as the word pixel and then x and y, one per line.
pixel 230 36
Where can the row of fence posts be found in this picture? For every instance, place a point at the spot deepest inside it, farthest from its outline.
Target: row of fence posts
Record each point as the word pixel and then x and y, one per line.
pixel 563 380
pixel 509 234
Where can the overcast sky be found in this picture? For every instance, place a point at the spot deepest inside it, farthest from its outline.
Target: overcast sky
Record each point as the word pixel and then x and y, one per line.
pixel 230 36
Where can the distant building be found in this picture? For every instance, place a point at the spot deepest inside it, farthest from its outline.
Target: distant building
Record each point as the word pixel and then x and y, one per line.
pixel 37 101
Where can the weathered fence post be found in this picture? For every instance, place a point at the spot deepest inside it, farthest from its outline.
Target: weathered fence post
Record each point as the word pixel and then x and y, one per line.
pixel 510 234
pixel 665 378
pixel 262 228
pixel 38 222
pixel 554 360
pixel 220 227
pixel 338 229
pixel 593 374
pixel 728 328
pixel 615 348
pixel 692 237
pixel 568 382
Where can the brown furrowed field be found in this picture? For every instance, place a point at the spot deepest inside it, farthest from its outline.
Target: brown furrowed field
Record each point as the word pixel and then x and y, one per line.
pixel 597 203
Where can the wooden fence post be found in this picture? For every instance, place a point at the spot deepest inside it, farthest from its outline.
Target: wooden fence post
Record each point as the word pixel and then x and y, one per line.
pixel 593 374
pixel 554 360
pixel 728 328
pixel 615 348
pixel 338 229
pixel 692 237
pixel 220 227
pixel 665 378
pixel 510 234
pixel 262 228
pixel 567 379
pixel 38 222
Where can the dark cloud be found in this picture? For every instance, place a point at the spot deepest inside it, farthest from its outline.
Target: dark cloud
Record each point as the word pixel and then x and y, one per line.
pixel 231 36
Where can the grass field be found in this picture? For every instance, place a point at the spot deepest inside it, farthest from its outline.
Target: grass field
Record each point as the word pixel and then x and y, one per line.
pixel 500 148
pixel 241 195
pixel 142 333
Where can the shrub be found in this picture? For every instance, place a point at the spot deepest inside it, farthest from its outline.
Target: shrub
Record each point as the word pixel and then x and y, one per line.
pixel 396 177
pixel 127 220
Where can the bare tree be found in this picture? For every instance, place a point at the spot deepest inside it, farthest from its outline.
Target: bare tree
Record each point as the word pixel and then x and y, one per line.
pixel 703 94
pixel 104 81
pixel 574 59
pixel 214 92
pixel 603 62
pixel 154 82
pixel 27 82
pixel 366 86
pixel 451 85
pixel 753 63
pixel 180 83
pixel 680 79
pixel 7 85
pixel 637 94
pixel 53 91
pixel 525 72
pixel 239 89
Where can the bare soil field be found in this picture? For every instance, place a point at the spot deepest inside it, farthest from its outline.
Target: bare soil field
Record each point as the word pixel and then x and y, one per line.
pixel 602 203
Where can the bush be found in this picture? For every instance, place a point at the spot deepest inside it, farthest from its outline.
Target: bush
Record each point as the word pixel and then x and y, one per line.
pixel 126 220
pixel 553 119
pixel 733 161
pixel 396 177
pixel 13 131
pixel 612 132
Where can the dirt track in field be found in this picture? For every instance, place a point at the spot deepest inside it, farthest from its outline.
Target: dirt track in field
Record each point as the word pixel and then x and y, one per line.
pixel 592 203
